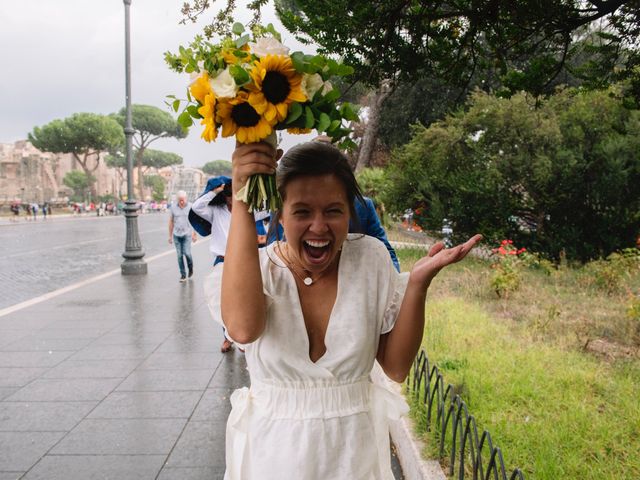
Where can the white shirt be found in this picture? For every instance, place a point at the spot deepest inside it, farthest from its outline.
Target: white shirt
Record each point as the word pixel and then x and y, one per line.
pixel 220 218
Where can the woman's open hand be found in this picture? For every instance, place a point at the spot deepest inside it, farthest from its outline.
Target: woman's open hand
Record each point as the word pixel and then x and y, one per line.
pixel 252 158
pixel 439 257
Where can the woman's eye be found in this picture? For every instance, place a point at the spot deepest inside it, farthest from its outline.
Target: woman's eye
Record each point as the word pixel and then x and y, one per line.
pixel 335 211
pixel 300 212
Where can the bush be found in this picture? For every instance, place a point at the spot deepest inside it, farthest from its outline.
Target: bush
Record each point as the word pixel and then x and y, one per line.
pixel 507 268
pixel 608 274
pixel 561 176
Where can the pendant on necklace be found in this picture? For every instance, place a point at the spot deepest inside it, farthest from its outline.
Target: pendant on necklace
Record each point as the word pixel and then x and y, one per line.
pixel 307 281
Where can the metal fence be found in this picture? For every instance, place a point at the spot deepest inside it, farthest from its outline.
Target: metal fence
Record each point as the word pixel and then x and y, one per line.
pixel 474 456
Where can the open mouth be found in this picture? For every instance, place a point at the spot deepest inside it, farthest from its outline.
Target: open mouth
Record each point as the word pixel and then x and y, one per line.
pixel 317 250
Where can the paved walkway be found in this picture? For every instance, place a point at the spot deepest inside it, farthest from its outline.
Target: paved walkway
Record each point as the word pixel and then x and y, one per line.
pixel 119 378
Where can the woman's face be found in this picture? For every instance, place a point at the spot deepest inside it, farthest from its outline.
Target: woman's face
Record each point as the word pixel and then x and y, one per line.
pixel 315 218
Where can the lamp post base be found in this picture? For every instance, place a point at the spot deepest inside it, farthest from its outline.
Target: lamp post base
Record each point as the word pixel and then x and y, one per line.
pixel 133 263
pixel 133 267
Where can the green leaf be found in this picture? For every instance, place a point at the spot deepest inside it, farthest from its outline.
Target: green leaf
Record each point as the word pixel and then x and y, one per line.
pixel 348 113
pixel 242 41
pixel 345 70
pixel 184 119
pixel 193 111
pixel 237 28
pixel 324 122
pixel 309 118
pixel 333 67
pixel 297 58
pixel 295 110
pixel 335 124
pixel 347 144
pixel 239 74
pixel 175 105
pixel 333 95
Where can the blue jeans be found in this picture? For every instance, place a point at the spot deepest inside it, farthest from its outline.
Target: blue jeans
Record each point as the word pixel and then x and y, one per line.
pixel 183 248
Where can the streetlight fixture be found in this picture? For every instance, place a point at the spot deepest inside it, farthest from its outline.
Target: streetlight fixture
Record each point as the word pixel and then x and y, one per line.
pixel 133 263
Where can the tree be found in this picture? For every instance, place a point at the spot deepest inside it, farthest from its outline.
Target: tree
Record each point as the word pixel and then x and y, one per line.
pixel 156 182
pixel 217 167
pixel 84 135
pixel 523 45
pixel 79 182
pixel 555 176
pixel 149 124
pixel 150 159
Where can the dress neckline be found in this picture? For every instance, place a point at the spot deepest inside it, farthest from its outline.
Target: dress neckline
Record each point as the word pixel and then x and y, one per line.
pixel 300 323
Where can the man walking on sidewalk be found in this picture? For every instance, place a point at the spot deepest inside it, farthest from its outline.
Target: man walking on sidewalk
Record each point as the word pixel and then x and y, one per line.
pixel 180 233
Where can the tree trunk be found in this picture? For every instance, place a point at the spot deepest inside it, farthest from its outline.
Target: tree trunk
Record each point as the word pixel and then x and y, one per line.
pixel 370 137
pixel 84 163
pixel 139 154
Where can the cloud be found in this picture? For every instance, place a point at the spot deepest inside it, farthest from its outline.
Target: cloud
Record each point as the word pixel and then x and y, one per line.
pixel 68 56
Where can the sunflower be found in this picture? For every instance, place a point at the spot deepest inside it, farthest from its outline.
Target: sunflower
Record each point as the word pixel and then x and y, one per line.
pixel 276 84
pixel 233 56
pixel 201 87
pixel 238 116
pixel 207 111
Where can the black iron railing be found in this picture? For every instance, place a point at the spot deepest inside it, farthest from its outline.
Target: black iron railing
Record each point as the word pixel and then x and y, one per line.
pixel 474 456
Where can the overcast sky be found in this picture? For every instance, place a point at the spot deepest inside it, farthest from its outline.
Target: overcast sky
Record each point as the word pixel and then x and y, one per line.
pixel 66 56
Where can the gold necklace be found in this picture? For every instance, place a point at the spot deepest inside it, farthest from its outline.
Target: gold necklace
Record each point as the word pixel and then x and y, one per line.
pixel 306 279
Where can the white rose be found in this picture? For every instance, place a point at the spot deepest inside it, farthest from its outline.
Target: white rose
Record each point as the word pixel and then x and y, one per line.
pixel 311 84
pixel 194 75
pixel 223 85
pixel 327 87
pixel 268 46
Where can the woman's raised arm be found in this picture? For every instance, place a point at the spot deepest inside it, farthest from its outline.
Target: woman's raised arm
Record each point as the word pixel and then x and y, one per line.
pixel 398 348
pixel 243 306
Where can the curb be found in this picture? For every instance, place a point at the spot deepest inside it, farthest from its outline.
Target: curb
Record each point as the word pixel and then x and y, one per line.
pixel 408 447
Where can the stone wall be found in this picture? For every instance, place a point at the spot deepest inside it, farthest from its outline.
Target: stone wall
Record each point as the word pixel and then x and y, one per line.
pixel 29 175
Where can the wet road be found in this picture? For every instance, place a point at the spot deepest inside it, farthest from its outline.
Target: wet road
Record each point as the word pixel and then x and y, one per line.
pixel 43 256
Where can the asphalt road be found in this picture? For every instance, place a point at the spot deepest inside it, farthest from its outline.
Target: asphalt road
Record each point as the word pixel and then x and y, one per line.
pixel 43 256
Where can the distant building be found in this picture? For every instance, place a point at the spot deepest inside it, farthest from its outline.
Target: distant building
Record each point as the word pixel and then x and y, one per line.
pixel 191 180
pixel 29 175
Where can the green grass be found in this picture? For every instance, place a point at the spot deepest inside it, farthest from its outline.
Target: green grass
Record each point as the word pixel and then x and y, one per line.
pixel 557 411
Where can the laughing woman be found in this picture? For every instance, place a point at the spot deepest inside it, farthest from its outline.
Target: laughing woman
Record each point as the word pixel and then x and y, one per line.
pixel 314 313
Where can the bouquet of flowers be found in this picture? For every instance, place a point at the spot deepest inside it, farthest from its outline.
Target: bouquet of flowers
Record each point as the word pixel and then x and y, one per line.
pixel 248 85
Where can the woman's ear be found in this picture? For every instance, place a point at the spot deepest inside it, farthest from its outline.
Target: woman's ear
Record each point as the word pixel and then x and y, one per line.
pixel 279 153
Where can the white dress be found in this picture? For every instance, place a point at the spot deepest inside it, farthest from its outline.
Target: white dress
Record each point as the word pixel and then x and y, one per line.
pixel 322 420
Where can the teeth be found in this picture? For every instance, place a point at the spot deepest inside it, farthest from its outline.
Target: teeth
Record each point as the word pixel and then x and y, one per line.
pixel 316 244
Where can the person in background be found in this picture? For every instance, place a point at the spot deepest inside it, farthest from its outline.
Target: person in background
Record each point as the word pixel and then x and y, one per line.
pixel 210 216
pixel 181 234
pixel 368 222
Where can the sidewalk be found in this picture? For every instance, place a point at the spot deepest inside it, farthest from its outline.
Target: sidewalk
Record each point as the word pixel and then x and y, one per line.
pixel 120 378
pixel 117 378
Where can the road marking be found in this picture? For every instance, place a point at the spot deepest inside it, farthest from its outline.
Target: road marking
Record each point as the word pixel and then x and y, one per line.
pixel 60 291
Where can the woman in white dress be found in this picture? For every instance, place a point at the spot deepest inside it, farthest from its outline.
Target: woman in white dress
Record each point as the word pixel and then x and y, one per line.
pixel 313 314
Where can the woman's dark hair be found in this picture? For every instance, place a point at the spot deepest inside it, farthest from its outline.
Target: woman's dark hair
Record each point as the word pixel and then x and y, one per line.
pixel 314 159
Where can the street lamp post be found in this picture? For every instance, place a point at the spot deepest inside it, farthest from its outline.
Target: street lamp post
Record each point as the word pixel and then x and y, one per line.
pixel 133 263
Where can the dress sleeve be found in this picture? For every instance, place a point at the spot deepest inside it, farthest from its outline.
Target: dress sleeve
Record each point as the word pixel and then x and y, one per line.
pixel 395 294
